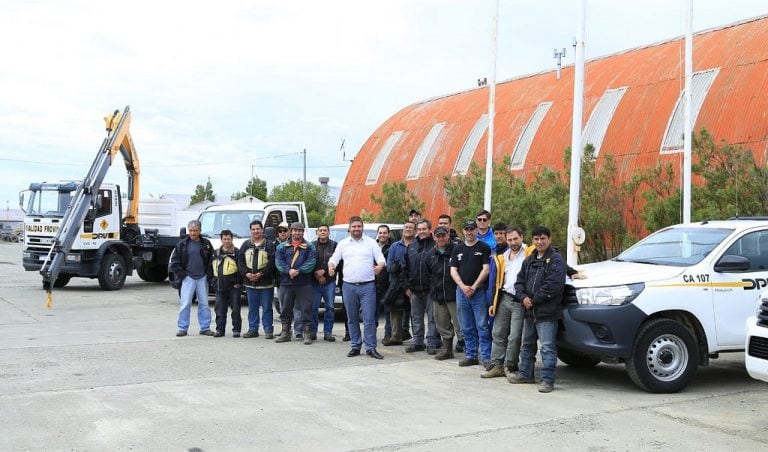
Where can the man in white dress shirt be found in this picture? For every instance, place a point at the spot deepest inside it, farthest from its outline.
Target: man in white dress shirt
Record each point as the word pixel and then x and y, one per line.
pixel 363 260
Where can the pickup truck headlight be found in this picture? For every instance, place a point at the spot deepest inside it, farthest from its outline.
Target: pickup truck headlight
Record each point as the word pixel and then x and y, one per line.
pixel 611 295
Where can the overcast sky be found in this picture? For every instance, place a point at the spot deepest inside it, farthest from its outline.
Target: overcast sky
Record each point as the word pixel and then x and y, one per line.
pixel 216 87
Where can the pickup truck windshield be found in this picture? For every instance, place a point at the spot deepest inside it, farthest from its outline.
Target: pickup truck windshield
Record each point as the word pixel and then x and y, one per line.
pixel 237 221
pixel 679 247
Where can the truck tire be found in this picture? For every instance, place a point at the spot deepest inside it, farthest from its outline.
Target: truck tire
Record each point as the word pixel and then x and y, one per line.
pixel 576 359
pixel 152 273
pixel 112 273
pixel 62 280
pixel 664 356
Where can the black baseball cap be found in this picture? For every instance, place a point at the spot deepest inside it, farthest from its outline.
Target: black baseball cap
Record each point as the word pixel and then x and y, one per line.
pixel 470 224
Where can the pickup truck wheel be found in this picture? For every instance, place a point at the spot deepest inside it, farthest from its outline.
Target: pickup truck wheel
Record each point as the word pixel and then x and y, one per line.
pixel 112 274
pixel 664 357
pixel 62 280
pixel 576 359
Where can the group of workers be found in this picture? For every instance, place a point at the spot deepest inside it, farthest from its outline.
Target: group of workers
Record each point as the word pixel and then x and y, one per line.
pixel 494 294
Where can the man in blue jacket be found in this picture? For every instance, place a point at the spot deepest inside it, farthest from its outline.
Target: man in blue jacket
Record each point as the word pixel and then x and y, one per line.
pixel 295 260
pixel 539 288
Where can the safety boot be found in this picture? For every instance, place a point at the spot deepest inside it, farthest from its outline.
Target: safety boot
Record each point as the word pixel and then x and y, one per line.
pixel 307 336
pixel 285 335
pixel 447 351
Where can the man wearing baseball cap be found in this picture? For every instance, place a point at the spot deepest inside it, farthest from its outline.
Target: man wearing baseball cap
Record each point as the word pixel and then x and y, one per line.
pixel 295 260
pixel 470 265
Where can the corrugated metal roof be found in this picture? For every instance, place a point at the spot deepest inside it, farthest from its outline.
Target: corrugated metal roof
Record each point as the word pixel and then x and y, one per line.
pixel 734 110
pixel 468 150
pixel 425 149
pixel 381 157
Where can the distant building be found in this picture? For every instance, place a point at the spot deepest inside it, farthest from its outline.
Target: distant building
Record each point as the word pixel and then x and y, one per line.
pixel 633 111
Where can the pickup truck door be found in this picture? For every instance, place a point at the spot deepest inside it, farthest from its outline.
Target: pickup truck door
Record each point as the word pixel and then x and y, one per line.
pixel 734 293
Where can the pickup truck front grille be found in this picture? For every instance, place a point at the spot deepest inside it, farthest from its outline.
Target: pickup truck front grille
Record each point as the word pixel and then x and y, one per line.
pixel 762 313
pixel 758 347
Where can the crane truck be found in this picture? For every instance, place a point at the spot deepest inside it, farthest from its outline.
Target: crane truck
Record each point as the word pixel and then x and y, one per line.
pixel 77 228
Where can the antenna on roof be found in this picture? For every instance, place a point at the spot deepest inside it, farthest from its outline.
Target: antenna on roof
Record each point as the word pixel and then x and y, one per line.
pixel 558 55
pixel 344 153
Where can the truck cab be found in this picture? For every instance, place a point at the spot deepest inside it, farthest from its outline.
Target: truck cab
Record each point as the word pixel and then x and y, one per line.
pixel 46 205
pixel 669 303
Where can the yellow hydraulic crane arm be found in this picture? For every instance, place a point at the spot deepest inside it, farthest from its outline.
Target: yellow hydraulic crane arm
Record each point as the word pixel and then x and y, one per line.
pixel 123 143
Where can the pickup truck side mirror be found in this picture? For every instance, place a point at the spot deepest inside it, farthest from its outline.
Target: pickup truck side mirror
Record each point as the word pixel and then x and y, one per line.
pixel 182 232
pixel 732 263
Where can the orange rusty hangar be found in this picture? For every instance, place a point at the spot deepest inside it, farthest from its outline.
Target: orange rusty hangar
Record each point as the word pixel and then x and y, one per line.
pixel 632 111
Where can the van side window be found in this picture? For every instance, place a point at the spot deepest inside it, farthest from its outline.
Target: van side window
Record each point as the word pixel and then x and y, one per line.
pixel 753 246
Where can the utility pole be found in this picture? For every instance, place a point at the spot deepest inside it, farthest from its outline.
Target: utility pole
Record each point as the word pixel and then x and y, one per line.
pixel 688 126
pixel 576 146
pixel 491 114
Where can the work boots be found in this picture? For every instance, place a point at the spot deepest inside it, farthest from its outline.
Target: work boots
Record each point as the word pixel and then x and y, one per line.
pixel 447 351
pixel 307 336
pixel 285 335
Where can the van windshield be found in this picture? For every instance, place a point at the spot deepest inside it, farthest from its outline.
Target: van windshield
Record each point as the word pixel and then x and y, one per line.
pixel 679 247
pixel 237 221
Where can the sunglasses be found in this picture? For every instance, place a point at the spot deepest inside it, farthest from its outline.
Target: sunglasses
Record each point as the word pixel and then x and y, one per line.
pixel 282 230
pixel 482 219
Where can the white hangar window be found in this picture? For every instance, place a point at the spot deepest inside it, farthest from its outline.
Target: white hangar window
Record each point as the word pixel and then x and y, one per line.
pixel 600 119
pixel 381 157
pixel 468 150
pixel 529 133
pixel 424 150
pixel 673 136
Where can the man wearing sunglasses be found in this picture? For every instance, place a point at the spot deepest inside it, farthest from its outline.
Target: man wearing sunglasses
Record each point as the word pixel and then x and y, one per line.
pixel 484 230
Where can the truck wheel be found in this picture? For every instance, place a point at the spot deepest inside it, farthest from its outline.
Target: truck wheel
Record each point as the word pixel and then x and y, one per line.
pixel 62 280
pixel 112 273
pixel 576 359
pixel 664 357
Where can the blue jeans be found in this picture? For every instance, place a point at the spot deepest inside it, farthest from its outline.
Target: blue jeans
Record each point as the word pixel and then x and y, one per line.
pixel 546 333
pixel 325 292
pixel 190 287
pixel 473 318
pixel 357 298
pixel 260 298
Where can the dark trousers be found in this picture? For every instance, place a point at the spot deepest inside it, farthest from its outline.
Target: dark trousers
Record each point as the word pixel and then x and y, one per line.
pixel 228 299
pixel 299 298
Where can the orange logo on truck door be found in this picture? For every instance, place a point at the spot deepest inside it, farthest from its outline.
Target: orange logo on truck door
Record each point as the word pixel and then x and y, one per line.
pixel 104 224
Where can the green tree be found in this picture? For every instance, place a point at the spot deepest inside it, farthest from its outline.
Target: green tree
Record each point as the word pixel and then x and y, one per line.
pixel 203 193
pixel 395 202
pixel 256 187
pixel 317 199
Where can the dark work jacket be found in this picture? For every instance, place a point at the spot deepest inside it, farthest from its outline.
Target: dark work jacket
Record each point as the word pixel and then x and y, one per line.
pixel 382 279
pixel 442 288
pixel 543 281
pixel 248 262
pixel 178 265
pixel 324 253
pixel 416 263
pixel 221 263
pixel 304 262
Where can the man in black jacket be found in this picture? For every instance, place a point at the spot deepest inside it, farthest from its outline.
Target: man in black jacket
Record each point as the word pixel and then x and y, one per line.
pixel 417 289
pixel 539 288
pixel 191 268
pixel 228 285
pixel 442 291
pixel 323 286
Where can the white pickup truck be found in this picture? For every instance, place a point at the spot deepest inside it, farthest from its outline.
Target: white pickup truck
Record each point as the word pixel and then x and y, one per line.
pixel 669 303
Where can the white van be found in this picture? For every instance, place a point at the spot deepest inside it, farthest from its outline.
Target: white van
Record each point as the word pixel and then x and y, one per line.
pixel 669 303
